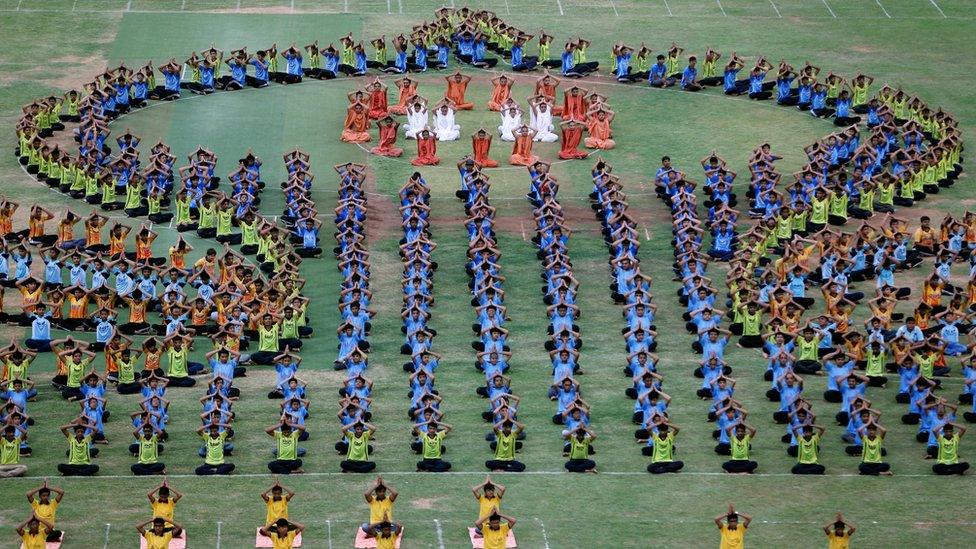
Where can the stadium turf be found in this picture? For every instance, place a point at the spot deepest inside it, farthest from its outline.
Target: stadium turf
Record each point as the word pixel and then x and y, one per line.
pixel 52 49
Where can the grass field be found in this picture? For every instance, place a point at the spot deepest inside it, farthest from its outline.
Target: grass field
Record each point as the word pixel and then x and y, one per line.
pixel 53 45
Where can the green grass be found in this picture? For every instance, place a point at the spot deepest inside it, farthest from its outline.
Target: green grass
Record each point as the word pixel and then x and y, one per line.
pixel 624 507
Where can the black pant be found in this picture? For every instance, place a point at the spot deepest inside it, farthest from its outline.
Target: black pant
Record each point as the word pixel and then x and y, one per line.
pixel 950 468
pixel 284 466
pixel 873 469
pixel 142 469
pixel 665 467
pixel 580 465
pixel 69 470
pixel 808 469
pixel 739 466
pixel 510 466
pixel 433 465
pixel 352 466
pixel 222 469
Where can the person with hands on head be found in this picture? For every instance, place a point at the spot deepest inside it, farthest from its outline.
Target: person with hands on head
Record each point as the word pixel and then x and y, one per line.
pixel 159 535
pixel 733 533
pixel 839 532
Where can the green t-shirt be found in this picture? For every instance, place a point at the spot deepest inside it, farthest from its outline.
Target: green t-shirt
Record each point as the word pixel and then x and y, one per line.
pixel 663 449
pixel 432 445
pixel 268 339
pixel 505 446
pixel 215 448
pixel 751 323
pixel 287 445
pixel 9 451
pixel 358 447
pixel 949 449
pixel 807 451
pixel 579 449
pixel 148 450
pixel 875 363
pixel 225 222
pixel 75 372
pixel 78 453
pixel 871 450
pixel 740 448
pixel 126 371
pixel 177 363
pixel 208 216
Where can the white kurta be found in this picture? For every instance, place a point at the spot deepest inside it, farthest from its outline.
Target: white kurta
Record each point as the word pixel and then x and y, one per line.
pixel 509 124
pixel 416 121
pixel 543 127
pixel 444 126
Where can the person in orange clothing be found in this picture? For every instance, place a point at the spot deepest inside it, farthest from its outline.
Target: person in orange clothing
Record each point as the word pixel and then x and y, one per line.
pixel 388 134
pixel 501 92
pixel 408 89
pixel 457 84
pixel 378 105
pixel 546 87
pixel 598 126
pixel 572 134
pixel 574 104
pixel 481 144
pixel 426 149
pixel 356 127
pixel 522 152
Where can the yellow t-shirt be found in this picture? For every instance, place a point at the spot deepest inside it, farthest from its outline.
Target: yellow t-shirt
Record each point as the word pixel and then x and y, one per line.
pixel 834 541
pixel 157 542
pixel 378 508
pixel 732 539
pixel 276 510
pixel 47 512
pixel 495 539
pixel 487 505
pixel 35 541
pixel 286 542
pixel 386 542
pixel 164 509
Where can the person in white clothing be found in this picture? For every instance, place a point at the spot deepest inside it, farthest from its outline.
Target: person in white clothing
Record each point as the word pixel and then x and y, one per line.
pixel 416 117
pixel 444 126
pixel 541 109
pixel 511 119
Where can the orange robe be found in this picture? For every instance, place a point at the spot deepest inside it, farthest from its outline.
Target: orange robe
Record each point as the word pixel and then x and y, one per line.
pixel 600 134
pixel 481 147
pixel 549 92
pixel 407 93
pixel 499 96
pixel 356 127
pixel 574 107
pixel 455 92
pixel 571 137
pixel 522 152
pixel 377 104
pixel 387 145
pixel 426 151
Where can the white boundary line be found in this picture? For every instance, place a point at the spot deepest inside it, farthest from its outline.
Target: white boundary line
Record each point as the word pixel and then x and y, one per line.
pixel 880 5
pixel 832 14
pixel 670 13
pixel 773 4
pixel 938 8
pixel 612 5
pixel 345 6
pixel 400 6
pixel 719 2
pixel 218 533
pixel 19 2
pixel 545 536
pixel 328 529
pixel 560 5
pixel 238 5
pixel 389 8
pixel 128 6
pixel 508 10
pixel 440 534
pixel 74 5
pixel 183 5
pixel 108 526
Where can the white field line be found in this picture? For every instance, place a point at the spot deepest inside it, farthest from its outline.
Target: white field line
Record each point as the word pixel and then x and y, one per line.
pixel 880 5
pixel 560 5
pixel 776 9
pixel 832 14
pixel 108 526
pixel 719 2
pixel 440 534
pixel 545 536
pixel 328 529
pixel 938 8
pixel 218 534
pixel 612 5
pixel 670 13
